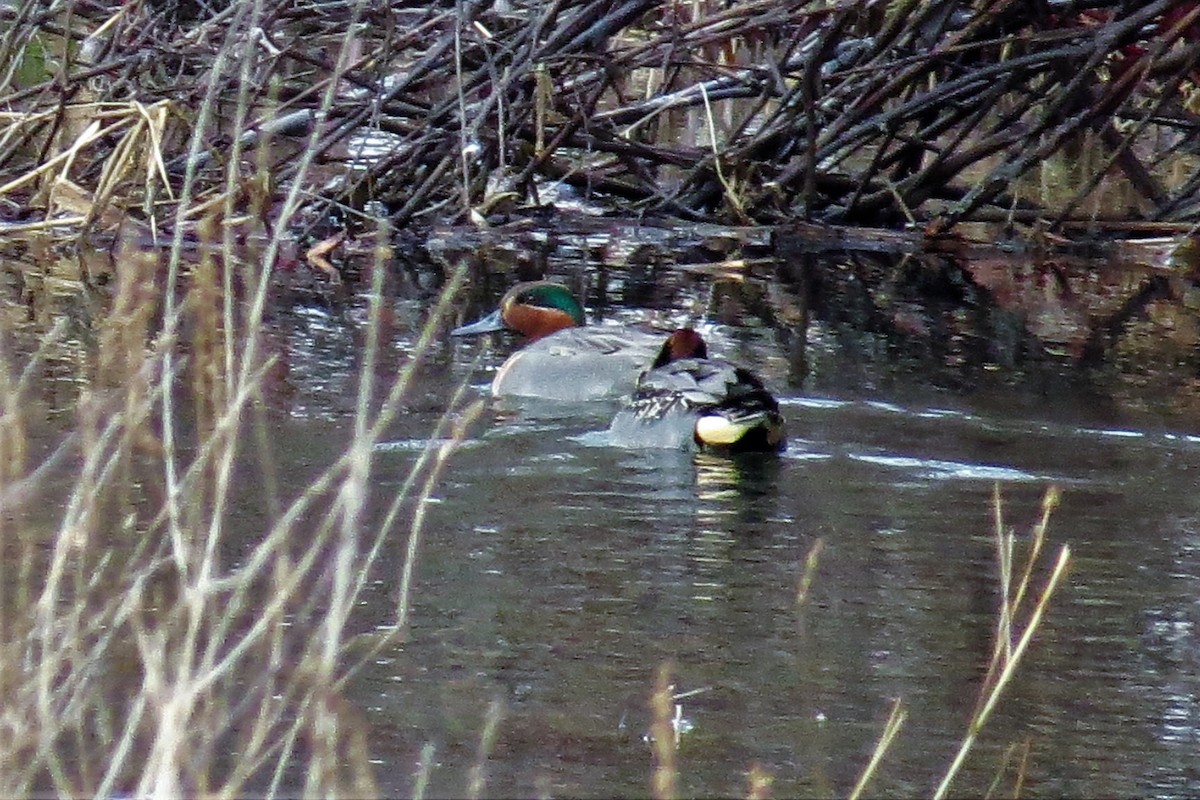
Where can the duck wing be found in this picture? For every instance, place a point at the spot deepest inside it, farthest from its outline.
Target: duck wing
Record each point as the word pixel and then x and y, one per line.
pixel 709 401
pixel 703 383
pixel 577 364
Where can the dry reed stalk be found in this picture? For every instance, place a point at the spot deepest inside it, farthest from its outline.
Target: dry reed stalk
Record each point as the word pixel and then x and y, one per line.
pixel 891 728
pixel 1019 780
pixel 209 346
pixel 665 783
pixel 424 770
pixel 487 740
pixel 1009 603
pixel 758 783
pixel 13 441
pixel 1011 640
pixel 810 572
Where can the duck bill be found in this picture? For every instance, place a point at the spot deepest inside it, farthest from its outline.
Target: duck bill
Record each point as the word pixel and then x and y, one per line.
pixel 488 324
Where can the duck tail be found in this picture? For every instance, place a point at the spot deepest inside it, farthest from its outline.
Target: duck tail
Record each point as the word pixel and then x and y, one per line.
pixel 761 430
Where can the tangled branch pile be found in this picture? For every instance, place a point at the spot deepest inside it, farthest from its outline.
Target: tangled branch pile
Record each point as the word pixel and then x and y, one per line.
pixel 876 113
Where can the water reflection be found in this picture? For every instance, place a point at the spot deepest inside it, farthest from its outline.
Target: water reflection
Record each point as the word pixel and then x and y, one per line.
pixel 558 572
pixel 566 570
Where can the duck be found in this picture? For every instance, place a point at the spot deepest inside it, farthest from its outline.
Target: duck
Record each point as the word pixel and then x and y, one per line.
pixel 685 399
pixel 563 359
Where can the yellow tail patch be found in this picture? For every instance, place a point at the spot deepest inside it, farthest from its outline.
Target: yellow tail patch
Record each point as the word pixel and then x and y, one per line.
pixel 719 431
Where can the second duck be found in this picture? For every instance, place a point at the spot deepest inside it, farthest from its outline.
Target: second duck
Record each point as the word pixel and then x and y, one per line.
pixel 687 399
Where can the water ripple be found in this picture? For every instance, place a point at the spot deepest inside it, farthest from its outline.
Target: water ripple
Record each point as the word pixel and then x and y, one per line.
pixel 934 469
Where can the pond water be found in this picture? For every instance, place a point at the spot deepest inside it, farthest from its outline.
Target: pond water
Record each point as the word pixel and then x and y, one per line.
pixel 558 573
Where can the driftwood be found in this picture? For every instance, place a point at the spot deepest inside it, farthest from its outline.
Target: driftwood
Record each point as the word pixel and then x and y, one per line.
pixel 870 113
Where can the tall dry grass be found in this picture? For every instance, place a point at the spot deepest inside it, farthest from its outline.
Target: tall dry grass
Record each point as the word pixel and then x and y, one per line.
pixel 136 656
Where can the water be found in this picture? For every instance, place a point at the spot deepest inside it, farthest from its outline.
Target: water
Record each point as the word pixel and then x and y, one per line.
pixel 558 573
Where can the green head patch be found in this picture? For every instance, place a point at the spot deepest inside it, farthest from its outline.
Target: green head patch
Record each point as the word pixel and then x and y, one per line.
pixel 552 295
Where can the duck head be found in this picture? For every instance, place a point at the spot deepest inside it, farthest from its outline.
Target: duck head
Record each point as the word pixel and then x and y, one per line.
pixel 533 309
pixel 683 343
